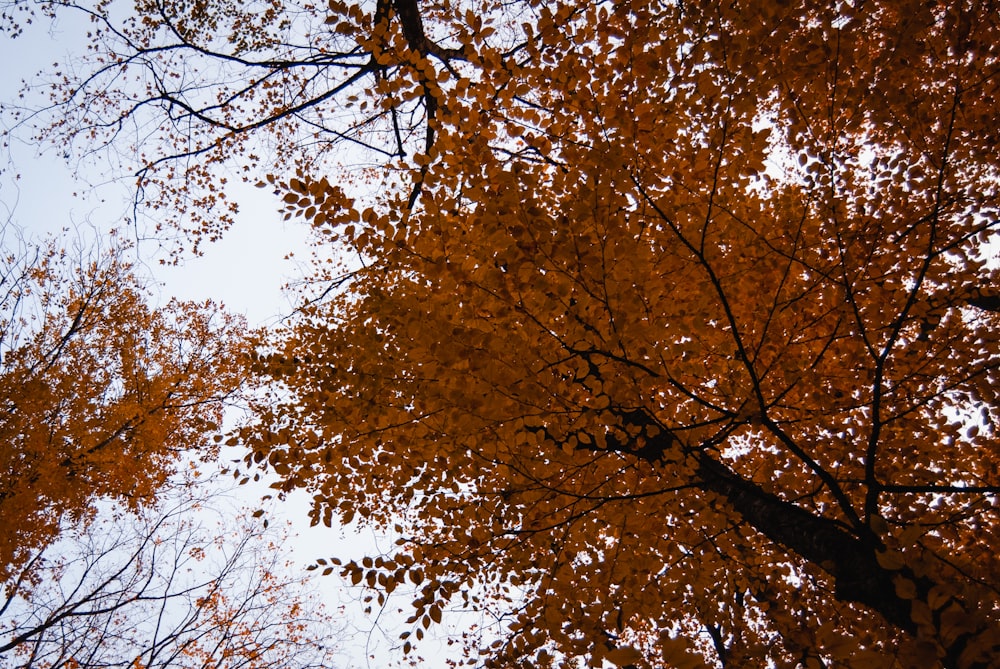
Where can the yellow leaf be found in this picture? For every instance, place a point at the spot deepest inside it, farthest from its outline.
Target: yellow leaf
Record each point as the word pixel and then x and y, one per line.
pixel 905 588
pixel 890 559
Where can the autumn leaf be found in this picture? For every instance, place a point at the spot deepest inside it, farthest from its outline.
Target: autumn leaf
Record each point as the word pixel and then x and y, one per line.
pixel 624 656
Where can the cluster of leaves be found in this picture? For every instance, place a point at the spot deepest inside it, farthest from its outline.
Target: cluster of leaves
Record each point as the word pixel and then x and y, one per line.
pixel 109 556
pixel 694 318
pixel 102 395
pixel 669 314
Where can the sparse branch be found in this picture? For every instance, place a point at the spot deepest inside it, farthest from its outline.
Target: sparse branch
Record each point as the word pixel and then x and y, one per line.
pixel 165 593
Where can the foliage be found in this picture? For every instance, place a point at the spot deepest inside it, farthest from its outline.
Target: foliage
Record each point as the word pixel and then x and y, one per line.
pixel 182 583
pixel 675 323
pixel 102 394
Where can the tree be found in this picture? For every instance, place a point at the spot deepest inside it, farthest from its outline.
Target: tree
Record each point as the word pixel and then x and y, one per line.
pixel 674 323
pixel 181 583
pixel 102 395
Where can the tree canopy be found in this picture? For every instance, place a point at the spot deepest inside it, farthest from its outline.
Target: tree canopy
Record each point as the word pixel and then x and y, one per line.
pixel 673 326
pixel 102 395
